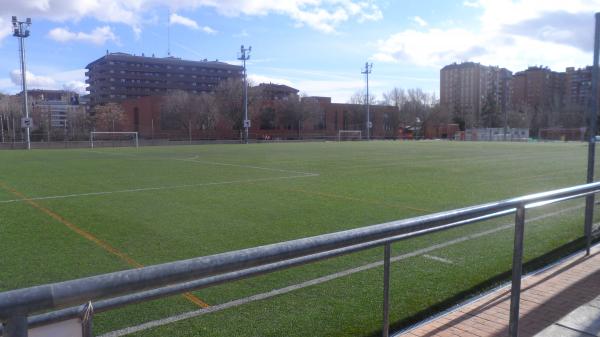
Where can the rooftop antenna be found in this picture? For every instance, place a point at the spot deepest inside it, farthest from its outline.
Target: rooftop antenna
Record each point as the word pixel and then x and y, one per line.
pixel 169 34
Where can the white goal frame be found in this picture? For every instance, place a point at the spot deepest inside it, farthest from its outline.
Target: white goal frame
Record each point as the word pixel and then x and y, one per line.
pixel 92 133
pixel 340 132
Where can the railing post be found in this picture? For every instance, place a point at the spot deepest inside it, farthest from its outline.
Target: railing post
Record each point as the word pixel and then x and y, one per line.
pixel 593 129
pixel 589 218
pixel 87 320
pixel 386 290
pixel 517 270
pixel 16 326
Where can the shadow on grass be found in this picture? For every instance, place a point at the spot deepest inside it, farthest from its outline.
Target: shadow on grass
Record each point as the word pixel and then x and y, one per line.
pixel 493 282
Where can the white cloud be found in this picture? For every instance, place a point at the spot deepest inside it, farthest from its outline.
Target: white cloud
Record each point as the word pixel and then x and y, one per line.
pixel 77 86
pixel 474 4
pixel 322 15
pixel 257 79
pixel 208 30
pixel 33 81
pixel 98 36
pixel 512 34
pixel 420 21
pixel 176 19
pixel 68 80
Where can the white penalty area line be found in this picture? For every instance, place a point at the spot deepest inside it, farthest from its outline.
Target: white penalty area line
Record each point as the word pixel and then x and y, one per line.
pixel 196 159
pixel 158 188
pixel 323 279
pixel 437 258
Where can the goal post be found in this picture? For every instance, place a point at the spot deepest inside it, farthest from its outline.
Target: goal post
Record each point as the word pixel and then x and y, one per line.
pixel 349 135
pixel 95 135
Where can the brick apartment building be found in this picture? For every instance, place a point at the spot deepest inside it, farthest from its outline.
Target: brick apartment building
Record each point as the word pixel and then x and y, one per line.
pixel 144 115
pixel 538 87
pixel 537 96
pixel 116 77
pixel 465 87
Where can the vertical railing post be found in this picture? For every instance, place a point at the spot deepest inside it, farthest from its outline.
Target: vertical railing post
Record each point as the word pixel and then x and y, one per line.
pixel 16 326
pixel 517 270
pixel 593 129
pixel 386 290
pixel 87 320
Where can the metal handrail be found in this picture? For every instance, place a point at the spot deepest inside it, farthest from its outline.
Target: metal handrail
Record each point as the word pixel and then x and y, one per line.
pixel 161 280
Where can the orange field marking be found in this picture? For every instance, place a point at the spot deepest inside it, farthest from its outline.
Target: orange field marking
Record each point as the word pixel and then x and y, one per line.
pixel 90 237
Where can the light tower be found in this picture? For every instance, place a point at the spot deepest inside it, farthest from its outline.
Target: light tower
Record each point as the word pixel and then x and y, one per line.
pixel 244 56
pixel 366 72
pixel 21 30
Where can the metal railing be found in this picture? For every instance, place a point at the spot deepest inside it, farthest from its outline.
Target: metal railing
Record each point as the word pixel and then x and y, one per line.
pixel 148 283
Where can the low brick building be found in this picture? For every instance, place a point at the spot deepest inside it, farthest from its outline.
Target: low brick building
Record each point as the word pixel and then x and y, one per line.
pixel 144 115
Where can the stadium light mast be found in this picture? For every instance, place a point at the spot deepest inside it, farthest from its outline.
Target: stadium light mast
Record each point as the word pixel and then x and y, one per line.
pixel 21 30
pixel 244 56
pixel 366 72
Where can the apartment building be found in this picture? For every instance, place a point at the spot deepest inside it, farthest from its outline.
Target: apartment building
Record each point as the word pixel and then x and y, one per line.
pixel 465 87
pixel 115 77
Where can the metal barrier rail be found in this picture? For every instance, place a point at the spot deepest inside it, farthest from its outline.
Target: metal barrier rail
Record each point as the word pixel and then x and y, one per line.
pixel 152 282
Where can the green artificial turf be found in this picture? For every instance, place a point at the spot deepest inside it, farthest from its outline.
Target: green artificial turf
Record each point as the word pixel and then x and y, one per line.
pixel 161 204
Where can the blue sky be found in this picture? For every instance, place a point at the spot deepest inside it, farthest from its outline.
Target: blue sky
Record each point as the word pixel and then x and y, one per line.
pixel 317 46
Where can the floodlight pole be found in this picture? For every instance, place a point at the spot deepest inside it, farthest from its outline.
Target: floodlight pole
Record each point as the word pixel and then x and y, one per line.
pixel 366 72
pixel 21 30
pixel 244 56
pixel 593 127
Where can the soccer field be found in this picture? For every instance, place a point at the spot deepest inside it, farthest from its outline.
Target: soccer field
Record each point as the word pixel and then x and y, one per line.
pixel 66 214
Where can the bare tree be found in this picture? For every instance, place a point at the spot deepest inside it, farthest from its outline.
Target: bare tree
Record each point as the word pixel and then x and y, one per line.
pixel 295 111
pixel 109 116
pixel 360 97
pixel 229 99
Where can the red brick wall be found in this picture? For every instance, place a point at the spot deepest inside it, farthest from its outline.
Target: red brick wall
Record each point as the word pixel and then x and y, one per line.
pixel 149 112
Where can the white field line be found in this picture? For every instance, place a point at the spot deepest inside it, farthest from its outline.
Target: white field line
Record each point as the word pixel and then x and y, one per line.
pixel 316 281
pixel 157 188
pixel 437 258
pixel 196 160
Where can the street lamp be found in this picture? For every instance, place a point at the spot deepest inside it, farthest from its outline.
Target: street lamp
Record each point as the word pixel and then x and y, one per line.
pixel 244 56
pixel 21 30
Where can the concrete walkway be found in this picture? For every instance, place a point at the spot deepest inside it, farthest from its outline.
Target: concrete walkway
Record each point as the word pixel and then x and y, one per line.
pixel 561 301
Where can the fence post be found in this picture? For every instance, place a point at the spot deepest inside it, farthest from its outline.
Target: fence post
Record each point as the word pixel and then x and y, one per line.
pixel 517 270
pixel 386 290
pixel 16 326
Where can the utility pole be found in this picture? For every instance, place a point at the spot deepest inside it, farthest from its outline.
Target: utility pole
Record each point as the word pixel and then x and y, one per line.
pixel 244 56
pixel 21 30
pixel 366 72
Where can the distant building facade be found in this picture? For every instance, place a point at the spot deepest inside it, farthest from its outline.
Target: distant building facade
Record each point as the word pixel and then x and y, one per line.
pixel 144 115
pixel 467 87
pixel 52 107
pixel 116 77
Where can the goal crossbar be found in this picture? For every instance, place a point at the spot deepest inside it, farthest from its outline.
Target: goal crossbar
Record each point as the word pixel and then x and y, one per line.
pixel 134 133
pixel 349 132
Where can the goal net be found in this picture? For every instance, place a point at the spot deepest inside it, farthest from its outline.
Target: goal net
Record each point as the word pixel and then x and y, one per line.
pixel 113 139
pixel 349 135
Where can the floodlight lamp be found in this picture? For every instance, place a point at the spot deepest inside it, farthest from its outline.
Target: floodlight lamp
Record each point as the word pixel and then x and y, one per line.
pixel 14 20
pixel 250 48
pixel 28 21
pixel 242 48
